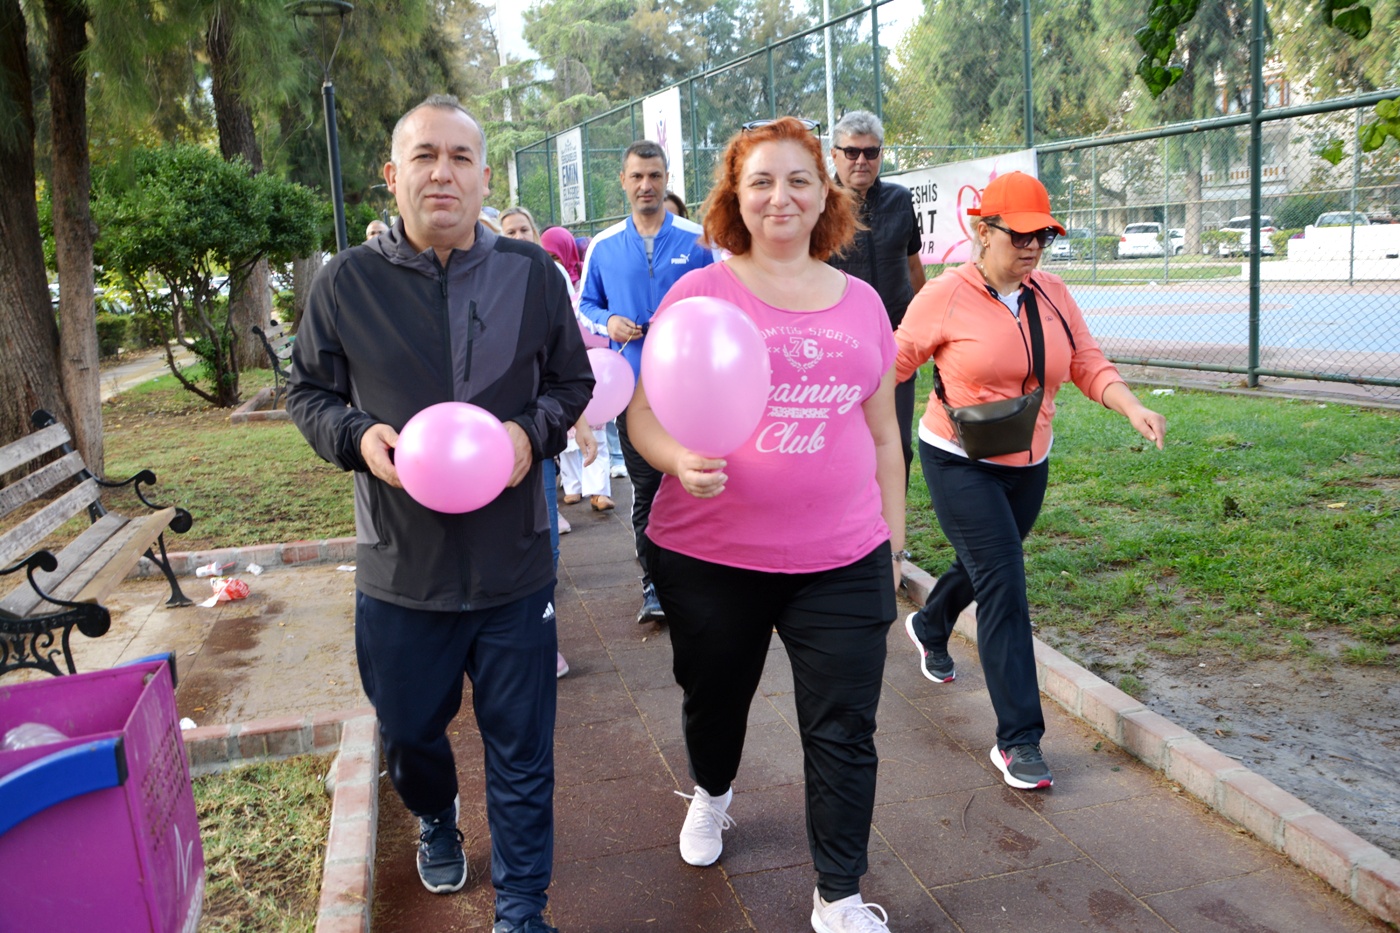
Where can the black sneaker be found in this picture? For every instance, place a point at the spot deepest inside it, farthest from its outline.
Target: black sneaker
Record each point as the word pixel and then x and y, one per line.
pixel 1023 767
pixel 533 925
pixel 651 610
pixel 442 865
pixel 936 665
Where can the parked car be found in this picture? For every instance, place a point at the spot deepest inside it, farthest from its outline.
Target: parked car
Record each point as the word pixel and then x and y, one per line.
pixel 1242 247
pixel 1177 235
pixel 1140 240
pixel 1065 248
pixel 1342 219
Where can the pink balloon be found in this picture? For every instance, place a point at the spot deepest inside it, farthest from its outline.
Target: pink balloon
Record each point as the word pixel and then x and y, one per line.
pixel 612 388
pixel 454 457
pixel 706 371
pixel 591 340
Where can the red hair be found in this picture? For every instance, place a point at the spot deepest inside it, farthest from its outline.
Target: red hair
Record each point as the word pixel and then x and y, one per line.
pixel 724 225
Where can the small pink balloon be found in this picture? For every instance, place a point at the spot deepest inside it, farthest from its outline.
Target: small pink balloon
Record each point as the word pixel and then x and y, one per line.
pixel 454 457
pixel 613 383
pixel 706 371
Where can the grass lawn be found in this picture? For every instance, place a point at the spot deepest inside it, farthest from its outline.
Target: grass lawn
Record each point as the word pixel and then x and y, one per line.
pixel 1265 526
pixel 255 483
pixel 263 828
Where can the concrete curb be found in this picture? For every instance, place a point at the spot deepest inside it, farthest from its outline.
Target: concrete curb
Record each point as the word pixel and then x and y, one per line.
pixel 1363 872
pixel 347 879
pixel 269 556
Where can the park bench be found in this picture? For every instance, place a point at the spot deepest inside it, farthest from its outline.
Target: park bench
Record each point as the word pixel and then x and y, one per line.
pixel 278 345
pixel 65 590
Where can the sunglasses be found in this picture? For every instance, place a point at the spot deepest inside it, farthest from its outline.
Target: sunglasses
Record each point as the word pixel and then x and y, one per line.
pixel 812 125
pixel 1022 240
pixel 871 153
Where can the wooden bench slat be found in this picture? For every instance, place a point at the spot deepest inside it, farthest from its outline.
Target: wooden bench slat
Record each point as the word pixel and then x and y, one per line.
pixel 22 600
pixel 17 453
pixel 24 538
pixel 39 482
pixel 113 567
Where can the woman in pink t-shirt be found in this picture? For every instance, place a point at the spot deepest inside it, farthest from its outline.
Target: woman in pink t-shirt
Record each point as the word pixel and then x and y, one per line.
pixel 793 531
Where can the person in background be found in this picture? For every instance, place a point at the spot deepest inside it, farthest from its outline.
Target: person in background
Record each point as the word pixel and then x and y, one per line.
pixel 630 267
pixel 518 223
pixel 795 531
pixel 675 205
pixel 976 322
pixel 442 596
pixel 561 244
pixel 885 253
pixel 374 228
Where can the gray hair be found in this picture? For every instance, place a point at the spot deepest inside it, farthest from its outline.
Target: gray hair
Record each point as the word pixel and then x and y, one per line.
pixel 438 102
pixel 646 149
pixel 857 123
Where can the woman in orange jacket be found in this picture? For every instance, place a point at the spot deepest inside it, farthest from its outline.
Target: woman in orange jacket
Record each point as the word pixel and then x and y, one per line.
pixel 981 323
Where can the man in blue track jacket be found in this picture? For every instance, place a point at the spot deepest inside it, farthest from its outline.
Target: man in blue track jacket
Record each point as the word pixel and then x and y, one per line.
pixel 629 268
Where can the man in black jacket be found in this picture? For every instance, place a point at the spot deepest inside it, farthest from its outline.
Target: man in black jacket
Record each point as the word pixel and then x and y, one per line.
pixel 886 253
pixel 442 309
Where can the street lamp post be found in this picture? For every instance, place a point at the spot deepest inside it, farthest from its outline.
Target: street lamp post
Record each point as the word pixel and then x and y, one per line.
pixel 321 11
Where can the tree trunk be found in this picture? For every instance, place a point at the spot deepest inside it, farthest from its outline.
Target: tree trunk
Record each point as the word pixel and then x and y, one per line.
pixel 72 226
pixel 29 376
pixel 251 305
pixel 303 274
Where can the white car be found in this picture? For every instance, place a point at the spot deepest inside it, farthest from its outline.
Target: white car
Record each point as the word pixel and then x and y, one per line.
pixel 1140 240
pixel 1342 219
pixel 1065 248
pixel 1241 226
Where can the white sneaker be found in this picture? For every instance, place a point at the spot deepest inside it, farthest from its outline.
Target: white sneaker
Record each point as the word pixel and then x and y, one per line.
pixel 848 915
pixel 618 472
pixel 706 820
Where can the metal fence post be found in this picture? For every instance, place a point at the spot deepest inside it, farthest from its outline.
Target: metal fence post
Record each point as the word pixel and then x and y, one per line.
pixel 878 67
pixel 1026 71
pixel 1256 179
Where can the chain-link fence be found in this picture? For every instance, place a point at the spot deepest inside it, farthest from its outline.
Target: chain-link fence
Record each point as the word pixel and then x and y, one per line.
pixel 1157 195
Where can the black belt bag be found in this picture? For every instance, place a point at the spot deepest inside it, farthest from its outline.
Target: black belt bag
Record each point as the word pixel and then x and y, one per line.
pixel 1006 426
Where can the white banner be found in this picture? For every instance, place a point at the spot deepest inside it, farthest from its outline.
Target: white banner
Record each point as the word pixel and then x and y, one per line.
pixel 661 118
pixel 943 194
pixel 572 210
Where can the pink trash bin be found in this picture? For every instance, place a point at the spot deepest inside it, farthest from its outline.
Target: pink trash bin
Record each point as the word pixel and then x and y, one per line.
pixel 98 832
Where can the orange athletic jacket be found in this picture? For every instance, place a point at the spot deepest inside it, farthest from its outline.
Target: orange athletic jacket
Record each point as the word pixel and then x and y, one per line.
pixel 983 353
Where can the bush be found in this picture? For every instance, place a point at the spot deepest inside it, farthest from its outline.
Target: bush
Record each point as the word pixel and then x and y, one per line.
pixel 1211 240
pixel 1280 240
pixel 1105 246
pixel 1299 210
pixel 111 333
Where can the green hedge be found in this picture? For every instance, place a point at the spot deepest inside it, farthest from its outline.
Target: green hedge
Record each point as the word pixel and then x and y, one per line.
pixel 111 333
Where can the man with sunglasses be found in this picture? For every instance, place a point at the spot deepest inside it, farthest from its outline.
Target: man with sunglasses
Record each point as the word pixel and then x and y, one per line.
pixel 886 253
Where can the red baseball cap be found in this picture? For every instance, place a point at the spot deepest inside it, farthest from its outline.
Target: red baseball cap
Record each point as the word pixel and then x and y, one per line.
pixel 1020 200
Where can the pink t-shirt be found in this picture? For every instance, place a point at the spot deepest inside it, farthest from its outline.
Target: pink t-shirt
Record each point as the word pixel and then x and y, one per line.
pixel 801 494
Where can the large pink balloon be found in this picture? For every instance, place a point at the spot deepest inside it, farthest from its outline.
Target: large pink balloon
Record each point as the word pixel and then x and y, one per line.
pixel 613 383
pixel 706 371
pixel 454 457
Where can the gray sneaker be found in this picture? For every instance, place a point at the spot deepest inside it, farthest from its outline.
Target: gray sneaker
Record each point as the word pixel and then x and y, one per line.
pixel 937 666
pixel 442 865
pixel 651 610
pixel 1022 767
pixel 533 925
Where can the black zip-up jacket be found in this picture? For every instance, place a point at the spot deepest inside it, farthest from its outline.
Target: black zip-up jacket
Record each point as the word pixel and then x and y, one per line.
pixel 389 331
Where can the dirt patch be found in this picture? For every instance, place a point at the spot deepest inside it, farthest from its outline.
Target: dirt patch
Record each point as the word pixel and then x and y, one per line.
pixel 1326 732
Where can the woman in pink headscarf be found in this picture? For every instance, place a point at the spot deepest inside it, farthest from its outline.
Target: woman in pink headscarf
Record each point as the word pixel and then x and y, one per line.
pixel 561 243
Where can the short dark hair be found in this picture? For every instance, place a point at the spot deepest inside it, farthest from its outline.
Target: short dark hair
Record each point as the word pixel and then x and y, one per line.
pixel 646 149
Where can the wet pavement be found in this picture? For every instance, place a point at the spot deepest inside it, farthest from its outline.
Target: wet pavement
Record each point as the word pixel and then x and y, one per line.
pixel 1113 846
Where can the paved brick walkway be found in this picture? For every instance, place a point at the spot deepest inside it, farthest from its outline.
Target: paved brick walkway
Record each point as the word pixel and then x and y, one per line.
pixel 1114 846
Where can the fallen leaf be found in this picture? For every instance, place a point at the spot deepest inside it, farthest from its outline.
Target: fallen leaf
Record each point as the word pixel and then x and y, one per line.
pixel 1336 505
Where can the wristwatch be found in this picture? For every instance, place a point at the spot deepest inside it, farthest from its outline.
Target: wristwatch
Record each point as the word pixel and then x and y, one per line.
pixel 902 555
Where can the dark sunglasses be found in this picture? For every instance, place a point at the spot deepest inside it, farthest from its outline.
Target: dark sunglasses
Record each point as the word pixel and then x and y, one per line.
pixel 1022 240
pixel 812 125
pixel 871 153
